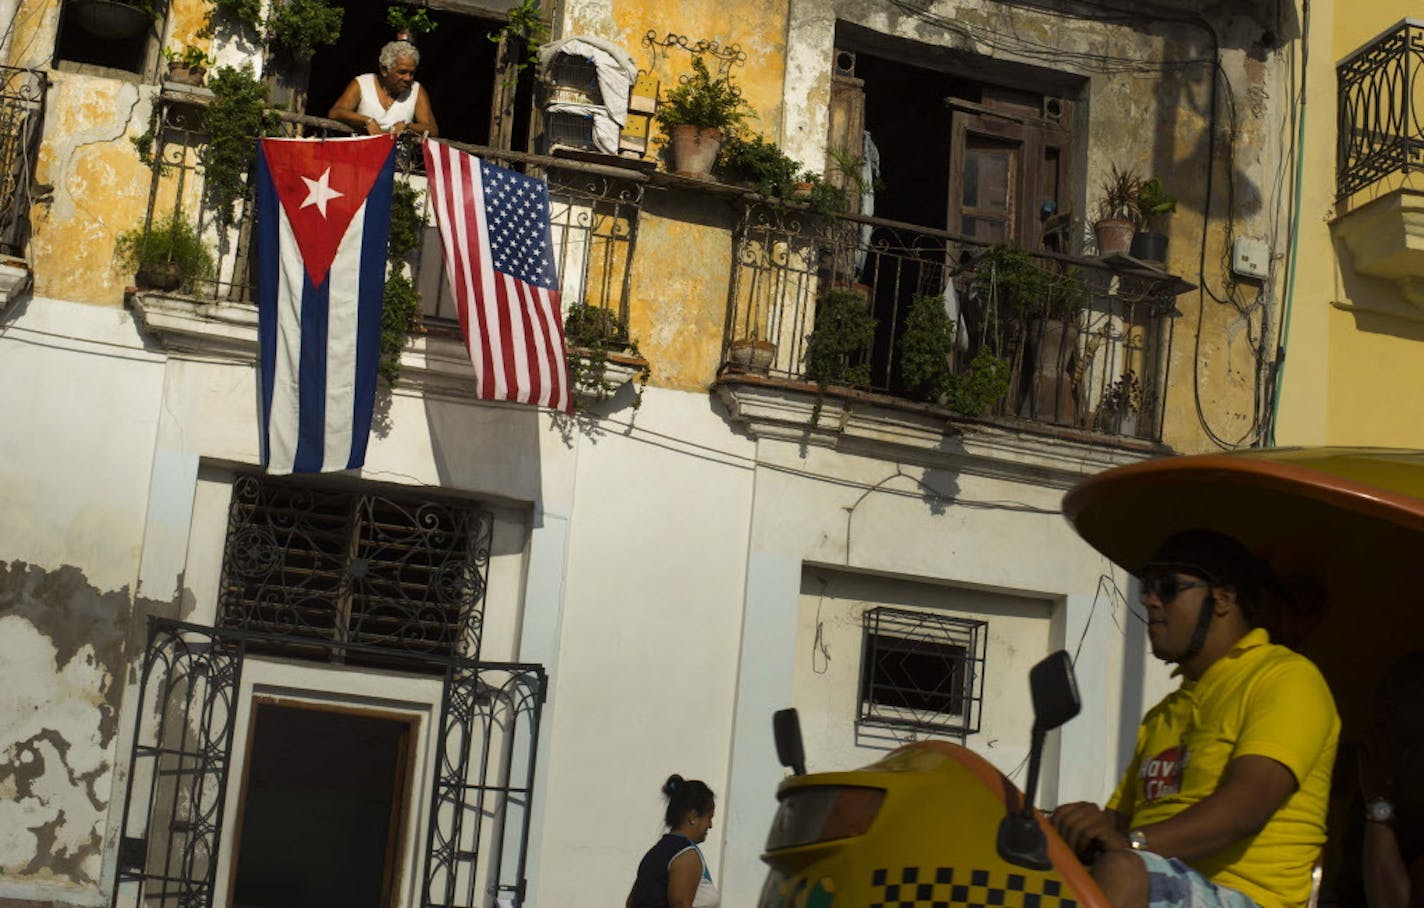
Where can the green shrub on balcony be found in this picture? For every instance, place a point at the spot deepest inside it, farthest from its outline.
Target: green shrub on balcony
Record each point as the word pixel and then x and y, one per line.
pixel 835 349
pixel 235 119
pixel 165 255
pixel 925 347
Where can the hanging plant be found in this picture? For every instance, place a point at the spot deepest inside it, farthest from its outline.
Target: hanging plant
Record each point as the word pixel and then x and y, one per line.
pixel 526 30
pixel 400 307
pixel 591 333
pixel 410 21
pixel 235 119
pixel 296 28
pixel 248 12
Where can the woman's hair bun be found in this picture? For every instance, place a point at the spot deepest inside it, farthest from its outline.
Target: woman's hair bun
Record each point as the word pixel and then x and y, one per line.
pixel 673 783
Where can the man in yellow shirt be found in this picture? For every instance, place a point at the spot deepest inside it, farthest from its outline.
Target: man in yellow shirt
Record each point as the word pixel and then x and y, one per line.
pixel 1224 802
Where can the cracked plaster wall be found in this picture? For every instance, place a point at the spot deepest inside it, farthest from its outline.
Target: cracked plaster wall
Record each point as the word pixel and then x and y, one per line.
pixel 61 675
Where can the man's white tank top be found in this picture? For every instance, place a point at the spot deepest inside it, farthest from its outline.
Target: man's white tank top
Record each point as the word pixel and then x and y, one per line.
pixel 400 111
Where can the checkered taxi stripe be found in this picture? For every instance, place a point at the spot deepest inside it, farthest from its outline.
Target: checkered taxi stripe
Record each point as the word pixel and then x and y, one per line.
pixel 923 887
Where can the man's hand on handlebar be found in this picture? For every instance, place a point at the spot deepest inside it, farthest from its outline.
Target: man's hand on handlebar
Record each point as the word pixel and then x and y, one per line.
pixel 1089 830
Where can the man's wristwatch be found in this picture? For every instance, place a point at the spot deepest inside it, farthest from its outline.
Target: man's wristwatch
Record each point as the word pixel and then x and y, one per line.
pixel 1137 840
pixel 1379 810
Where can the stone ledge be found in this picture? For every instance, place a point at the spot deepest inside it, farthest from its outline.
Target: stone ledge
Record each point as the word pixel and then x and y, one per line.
pixel 889 429
pixel 15 278
pixel 1385 237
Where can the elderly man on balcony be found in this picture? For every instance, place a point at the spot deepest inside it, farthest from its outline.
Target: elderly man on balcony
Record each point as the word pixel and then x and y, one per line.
pixel 388 100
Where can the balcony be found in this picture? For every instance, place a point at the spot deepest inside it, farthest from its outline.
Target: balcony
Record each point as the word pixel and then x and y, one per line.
pixel 1082 352
pixel 1075 346
pixel 1380 147
pixel 22 96
pixel 594 226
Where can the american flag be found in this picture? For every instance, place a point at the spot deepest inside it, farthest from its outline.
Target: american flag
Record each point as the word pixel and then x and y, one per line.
pixel 494 230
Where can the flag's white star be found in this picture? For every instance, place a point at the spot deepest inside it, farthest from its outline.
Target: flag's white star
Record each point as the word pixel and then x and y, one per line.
pixel 319 192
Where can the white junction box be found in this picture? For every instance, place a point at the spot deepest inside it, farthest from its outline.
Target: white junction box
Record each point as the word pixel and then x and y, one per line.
pixel 1250 257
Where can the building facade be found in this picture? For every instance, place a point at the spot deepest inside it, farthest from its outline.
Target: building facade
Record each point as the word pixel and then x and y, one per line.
pixel 1354 305
pixel 463 671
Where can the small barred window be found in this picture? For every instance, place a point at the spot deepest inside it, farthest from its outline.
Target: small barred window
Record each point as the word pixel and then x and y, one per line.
pixel 921 671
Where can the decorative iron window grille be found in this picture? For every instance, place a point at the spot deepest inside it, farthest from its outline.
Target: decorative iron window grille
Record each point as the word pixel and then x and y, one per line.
pixel 921 672
pixel 1381 117
pixel 22 97
pixel 388 572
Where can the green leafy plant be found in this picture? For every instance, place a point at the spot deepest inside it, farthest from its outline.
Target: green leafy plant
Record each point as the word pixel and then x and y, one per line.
pixel 191 56
pixel 296 28
pixel 400 303
pixel 979 388
pixel 170 245
pixel 400 312
pixel 1117 198
pixel 760 162
pixel 836 347
pixel 248 12
pixel 705 101
pixel 843 333
pixel 1120 404
pixel 591 333
pixel 235 119
pixel 414 20
pixel 1152 202
pixel 1008 275
pixel 526 30
pixel 925 346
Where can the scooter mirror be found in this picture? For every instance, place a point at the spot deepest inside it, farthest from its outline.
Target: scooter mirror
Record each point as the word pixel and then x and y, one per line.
pixel 786 728
pixel 1054 689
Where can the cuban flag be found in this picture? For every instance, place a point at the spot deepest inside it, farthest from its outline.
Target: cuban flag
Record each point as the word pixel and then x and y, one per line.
pixel 323 219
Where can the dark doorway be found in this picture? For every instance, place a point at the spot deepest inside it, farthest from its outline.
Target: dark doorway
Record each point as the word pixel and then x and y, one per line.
pixel 457 69
pixel 321 812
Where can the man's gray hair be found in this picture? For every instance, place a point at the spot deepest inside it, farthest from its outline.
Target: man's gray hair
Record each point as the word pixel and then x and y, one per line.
pixel 395 50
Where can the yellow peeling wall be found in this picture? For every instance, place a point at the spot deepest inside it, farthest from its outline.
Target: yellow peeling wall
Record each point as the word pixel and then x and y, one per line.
pixel 683 266
pixel 100 188
pixel 1355 350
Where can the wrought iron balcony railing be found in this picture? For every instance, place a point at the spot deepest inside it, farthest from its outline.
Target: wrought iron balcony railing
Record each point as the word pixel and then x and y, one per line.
pixel 1381 109
pixel 22 96
pixel 922 314
pixel 594 214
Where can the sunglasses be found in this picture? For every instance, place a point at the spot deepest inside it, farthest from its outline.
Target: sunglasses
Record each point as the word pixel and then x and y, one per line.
pixel 1167 587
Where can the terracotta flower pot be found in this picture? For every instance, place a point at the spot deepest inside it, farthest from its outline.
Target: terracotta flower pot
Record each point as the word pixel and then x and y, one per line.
pixel 752 355
pixel 1114 236
pixel 186 75
pixel 694 150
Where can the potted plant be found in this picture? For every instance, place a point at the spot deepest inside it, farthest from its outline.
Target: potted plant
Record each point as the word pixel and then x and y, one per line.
pixel 113 20
pixel 843 333
pixel 925 347
pixel 1117 211
pixel 697 114
pixel 188 66
pixel 978 389
pixel 1153 206
pixel 1120 405
pixel 165 255
pixel 591 334
pixel 759 163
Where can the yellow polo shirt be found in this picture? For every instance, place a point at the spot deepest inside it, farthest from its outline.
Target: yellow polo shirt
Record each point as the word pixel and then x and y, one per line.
pixel 1260 699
